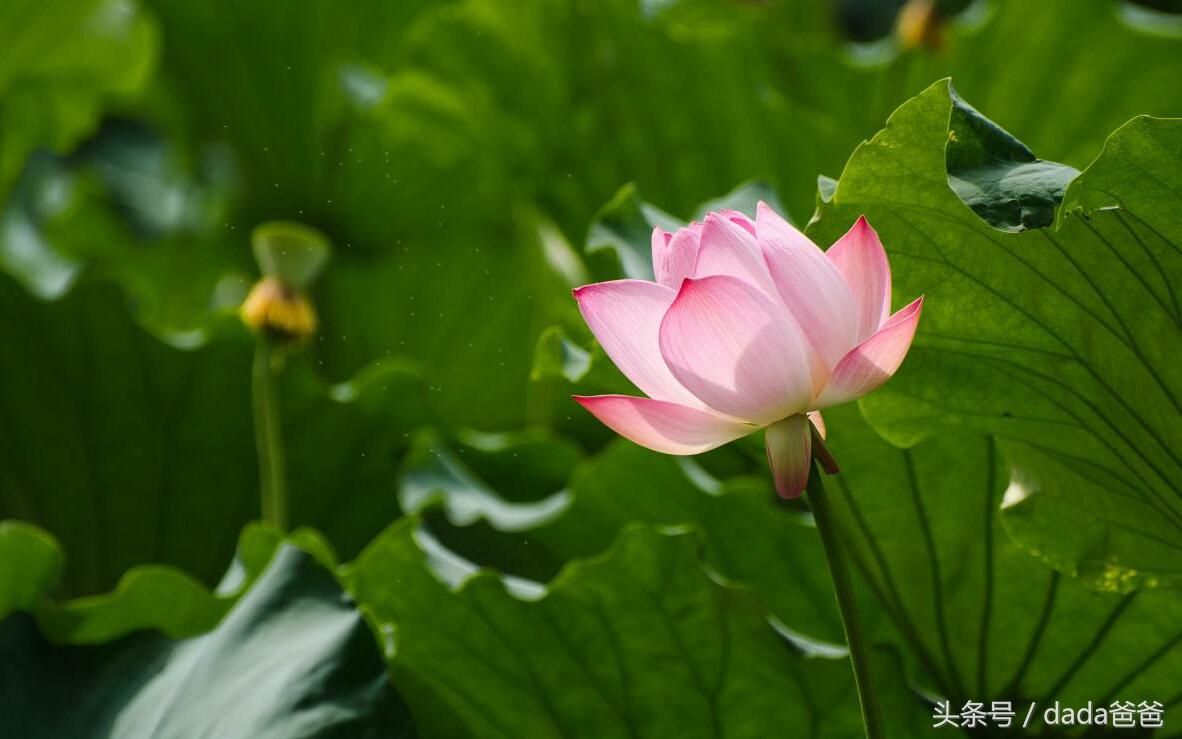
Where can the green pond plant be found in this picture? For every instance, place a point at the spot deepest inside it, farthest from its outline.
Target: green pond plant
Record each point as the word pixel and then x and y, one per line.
pixel 290 256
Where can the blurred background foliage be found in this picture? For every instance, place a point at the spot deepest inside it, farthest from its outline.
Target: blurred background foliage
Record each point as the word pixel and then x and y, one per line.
pixel 466 158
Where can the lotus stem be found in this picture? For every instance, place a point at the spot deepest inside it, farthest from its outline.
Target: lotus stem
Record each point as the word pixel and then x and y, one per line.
pixel 268 437
pixel 859 647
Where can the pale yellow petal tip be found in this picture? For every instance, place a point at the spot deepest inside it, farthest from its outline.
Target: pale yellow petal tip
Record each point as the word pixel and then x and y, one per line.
pixel 818 423
pixel 919 25
pixel 276 309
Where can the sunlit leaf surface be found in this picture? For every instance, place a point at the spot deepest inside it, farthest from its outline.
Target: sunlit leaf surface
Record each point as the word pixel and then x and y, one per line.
pixel 292 658
pixel 1059 339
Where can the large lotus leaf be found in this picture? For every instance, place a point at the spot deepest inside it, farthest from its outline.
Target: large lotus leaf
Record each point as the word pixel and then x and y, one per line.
pixel 64 61
pixel 640 642
pixel 746 536
pixel 132 451
pixel 292 658
pixel 153 596
pixel 1059 340
pixel 983 619
pixel 978 618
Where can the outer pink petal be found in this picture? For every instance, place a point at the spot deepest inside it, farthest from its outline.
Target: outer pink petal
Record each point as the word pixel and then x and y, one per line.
pixel 862 261
pixel 727 248
pixel 665 427
pixel 812 288
pixel 736 349
pixel 872 362
pixel 674 259
pixel 625 316
pixel 789 445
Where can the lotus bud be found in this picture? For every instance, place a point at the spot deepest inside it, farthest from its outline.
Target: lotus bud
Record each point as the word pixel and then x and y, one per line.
pixel 290 257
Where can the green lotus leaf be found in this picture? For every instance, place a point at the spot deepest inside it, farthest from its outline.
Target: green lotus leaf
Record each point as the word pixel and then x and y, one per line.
pixel 1058 339
pixel 291 658
pixel 639 642
pixel 981 618
pixel 64 62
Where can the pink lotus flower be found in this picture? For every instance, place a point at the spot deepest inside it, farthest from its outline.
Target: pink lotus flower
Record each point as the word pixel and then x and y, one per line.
pixel 748 325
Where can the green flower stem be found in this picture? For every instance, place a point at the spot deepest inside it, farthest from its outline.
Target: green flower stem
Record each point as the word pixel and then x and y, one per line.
pixel 273 480
pixel 846 603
